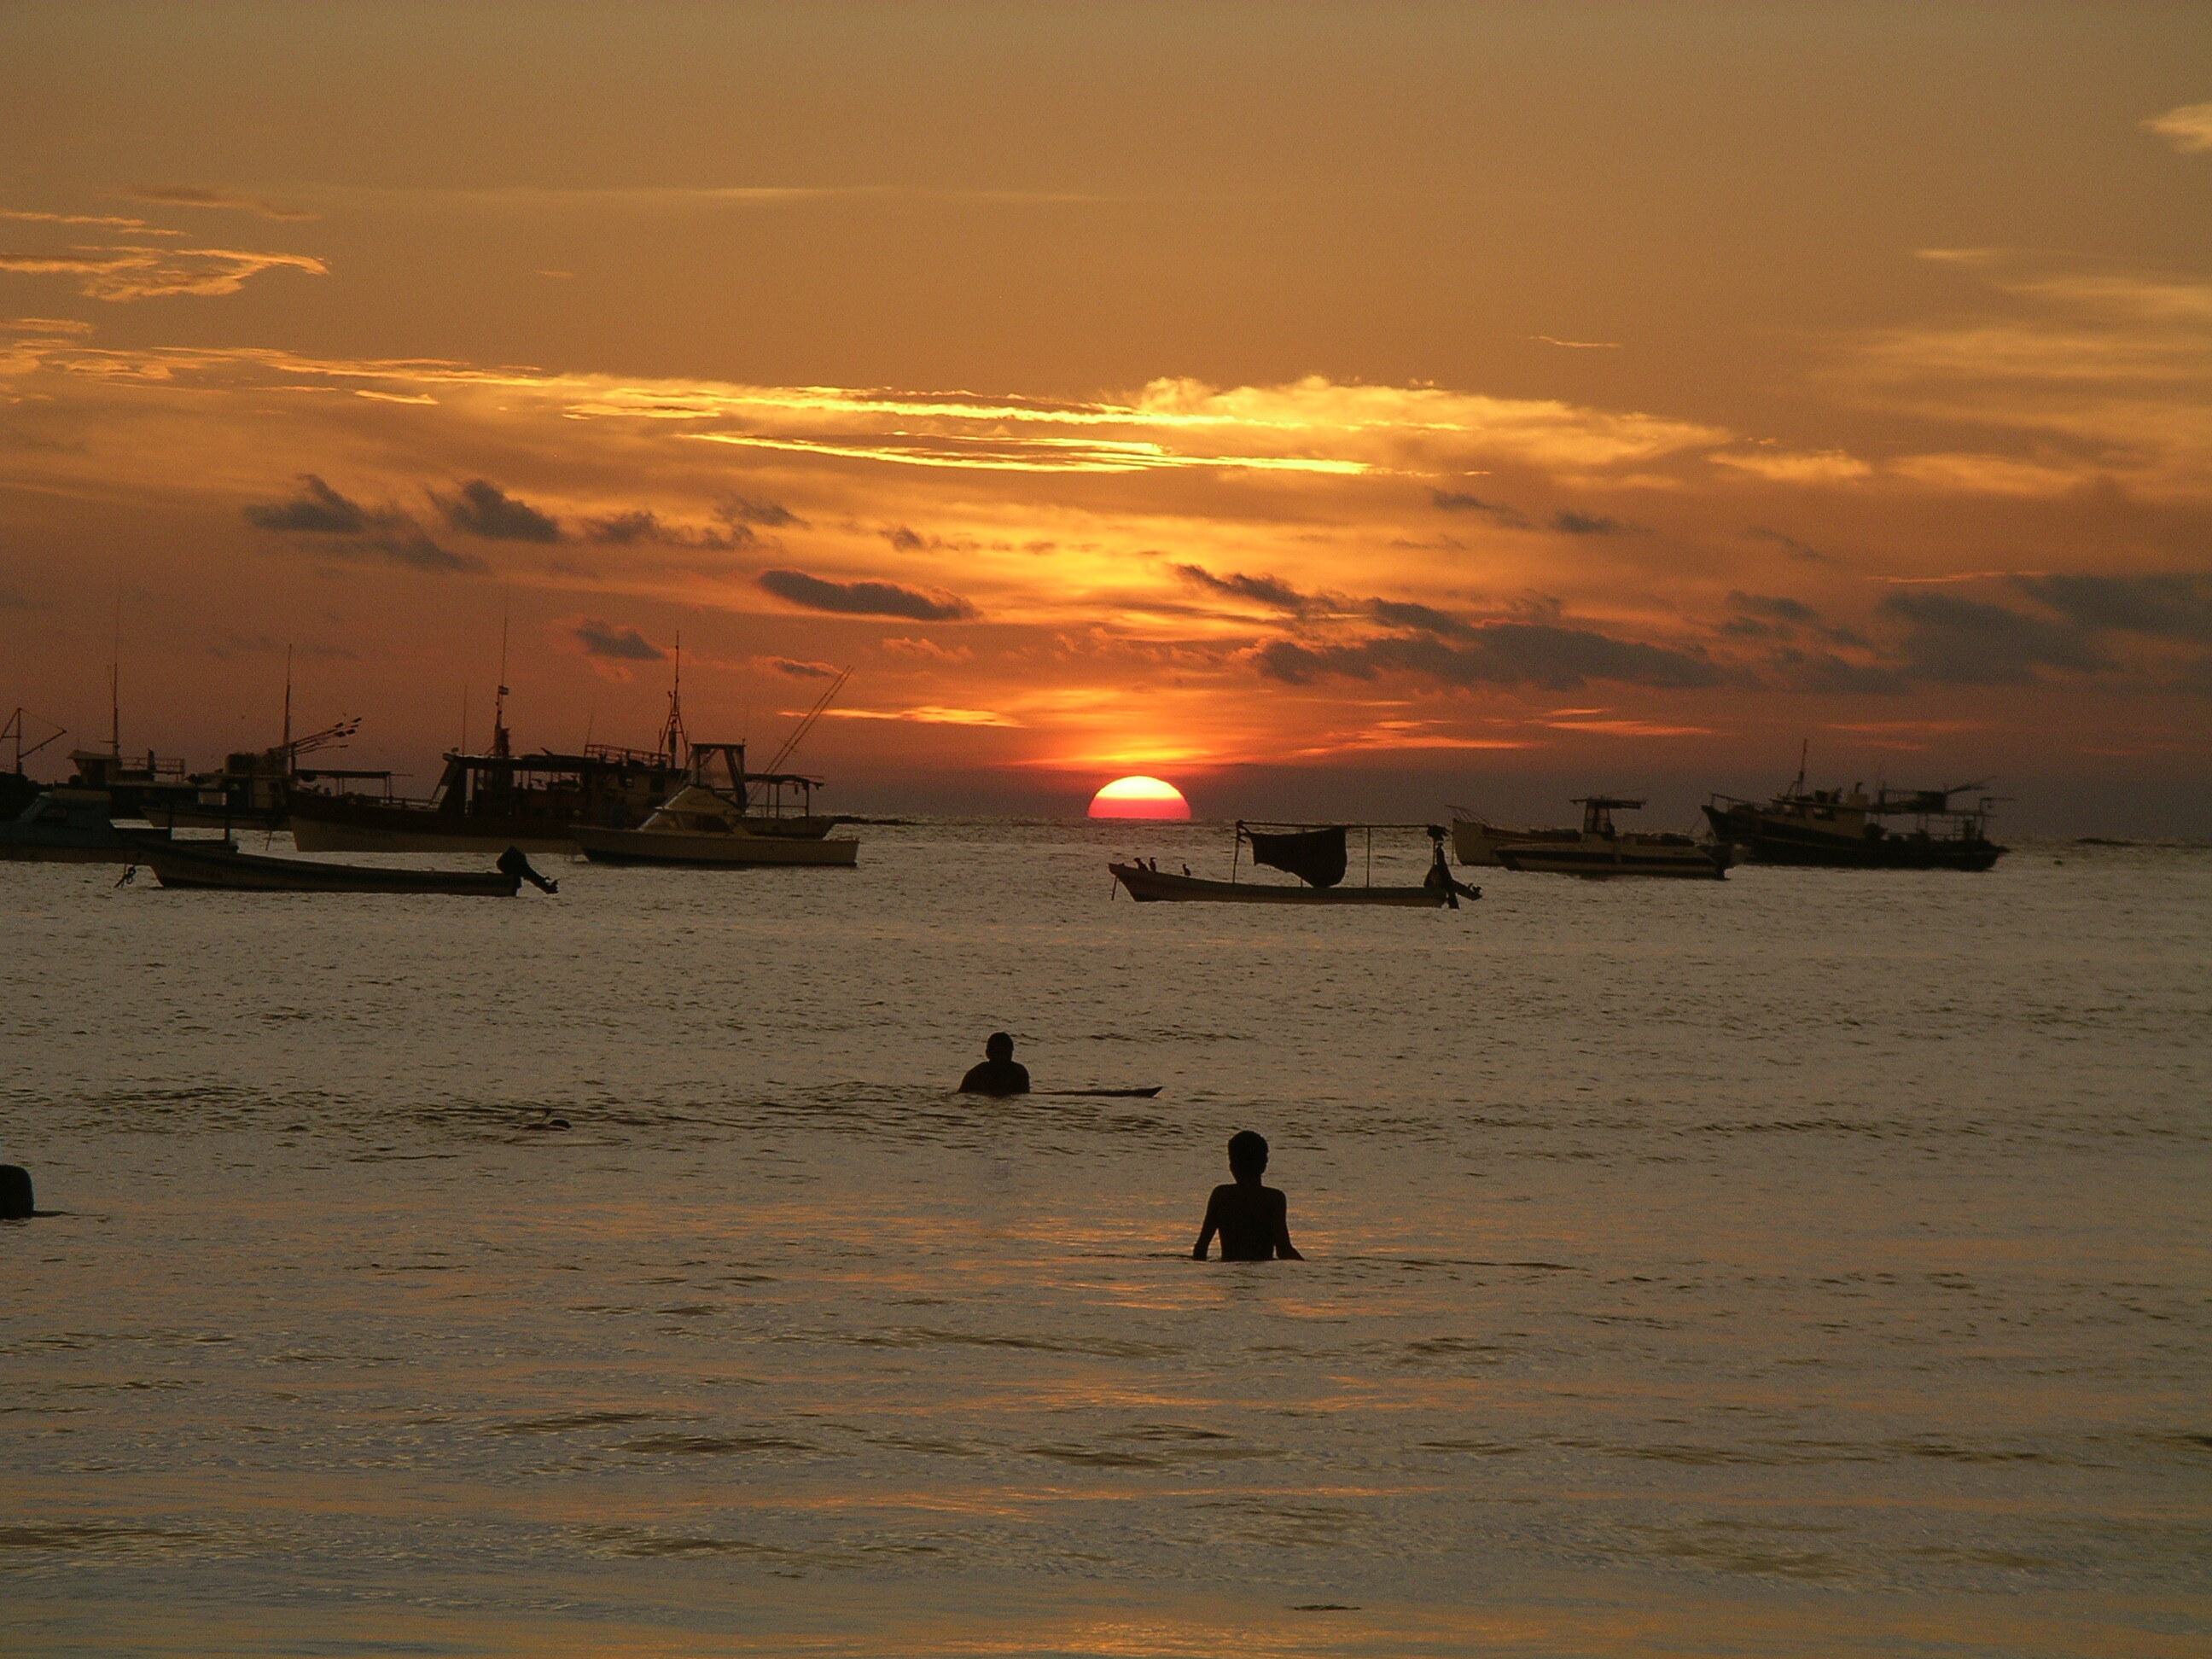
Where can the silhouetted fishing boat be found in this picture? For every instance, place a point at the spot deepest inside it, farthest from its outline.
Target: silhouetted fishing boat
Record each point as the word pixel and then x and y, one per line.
pixel 1316 855
pixel 500 798
pixel 177 866
pixel 254 787
pixel 1599 849
pixel 1840 830
pixel 493 799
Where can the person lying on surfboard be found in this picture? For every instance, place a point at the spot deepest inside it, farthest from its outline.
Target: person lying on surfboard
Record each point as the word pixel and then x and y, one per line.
pixel 1253 1221
pixel 999 1074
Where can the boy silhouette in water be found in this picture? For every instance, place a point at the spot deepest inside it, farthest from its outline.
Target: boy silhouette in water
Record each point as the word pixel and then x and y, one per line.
pixel 1253 1221
pixel 999 1074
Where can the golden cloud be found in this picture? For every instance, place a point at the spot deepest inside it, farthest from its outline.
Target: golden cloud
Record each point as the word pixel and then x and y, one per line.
pixel 130 271
pixel 924 713
pixel 2111 374
pixel 2188 129
pixel 1818 466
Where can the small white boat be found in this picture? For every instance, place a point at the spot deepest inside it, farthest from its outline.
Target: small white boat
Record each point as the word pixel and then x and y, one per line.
pixel 1601 850
pixel 1476 840
pixel 704 829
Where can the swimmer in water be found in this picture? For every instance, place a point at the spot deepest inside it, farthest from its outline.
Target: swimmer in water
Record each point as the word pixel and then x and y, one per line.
pixel 999 1074
pixel 1253 1221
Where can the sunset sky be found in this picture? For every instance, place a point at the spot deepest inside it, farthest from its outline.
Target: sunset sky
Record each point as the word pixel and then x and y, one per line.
pixel 1349 408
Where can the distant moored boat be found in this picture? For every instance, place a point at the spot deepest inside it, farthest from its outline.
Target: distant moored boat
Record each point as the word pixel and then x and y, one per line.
pixel 1848 830
pixel 1600 850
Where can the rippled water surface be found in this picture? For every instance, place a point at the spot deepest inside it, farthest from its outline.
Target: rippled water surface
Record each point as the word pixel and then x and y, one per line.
pixel 1812 1262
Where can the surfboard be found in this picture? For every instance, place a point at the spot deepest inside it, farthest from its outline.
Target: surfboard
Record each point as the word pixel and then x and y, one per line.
pixel 1104 1094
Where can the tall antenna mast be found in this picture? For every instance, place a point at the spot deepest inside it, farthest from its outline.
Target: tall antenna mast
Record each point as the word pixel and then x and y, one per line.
pixel 499 743
pixel 115 685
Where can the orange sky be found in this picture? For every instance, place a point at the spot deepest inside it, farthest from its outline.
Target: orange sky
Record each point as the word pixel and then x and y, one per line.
pixel 1363 407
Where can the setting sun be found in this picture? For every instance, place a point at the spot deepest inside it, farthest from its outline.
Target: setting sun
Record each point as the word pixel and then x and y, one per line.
pixel 1139 798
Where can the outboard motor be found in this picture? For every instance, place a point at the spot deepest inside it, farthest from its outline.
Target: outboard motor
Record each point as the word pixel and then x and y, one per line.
pixel 512 863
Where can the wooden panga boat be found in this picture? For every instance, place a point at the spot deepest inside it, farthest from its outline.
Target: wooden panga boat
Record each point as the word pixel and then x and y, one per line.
pixel 251 872
pixel 1315 854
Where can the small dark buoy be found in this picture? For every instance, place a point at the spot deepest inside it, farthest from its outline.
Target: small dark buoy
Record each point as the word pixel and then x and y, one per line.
pixel 15 1192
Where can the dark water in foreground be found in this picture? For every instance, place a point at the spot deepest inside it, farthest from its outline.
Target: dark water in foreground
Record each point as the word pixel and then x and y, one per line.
pixel 1810 1263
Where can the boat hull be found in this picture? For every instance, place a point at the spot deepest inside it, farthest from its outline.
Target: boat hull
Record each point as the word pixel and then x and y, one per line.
pixel 1769 841
pixel 363 828
pixel 1154 886
pixel 118 852
pixel 1600 863
pixel 677 849
pixel 249 873
pixel 789 829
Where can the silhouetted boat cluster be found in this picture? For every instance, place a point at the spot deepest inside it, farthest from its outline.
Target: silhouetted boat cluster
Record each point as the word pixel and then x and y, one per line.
pixel 694 805
pixel 1830 828
pixel 699 805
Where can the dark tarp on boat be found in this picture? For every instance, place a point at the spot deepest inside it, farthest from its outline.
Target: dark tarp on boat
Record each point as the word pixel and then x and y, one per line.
pixel 1314 856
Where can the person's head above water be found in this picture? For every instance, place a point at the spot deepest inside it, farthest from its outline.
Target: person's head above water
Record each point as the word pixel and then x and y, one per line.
pixel 1248 1155
pixel 998 1045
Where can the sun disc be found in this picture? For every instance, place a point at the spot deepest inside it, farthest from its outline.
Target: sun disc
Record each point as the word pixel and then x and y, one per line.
pixel 1140 797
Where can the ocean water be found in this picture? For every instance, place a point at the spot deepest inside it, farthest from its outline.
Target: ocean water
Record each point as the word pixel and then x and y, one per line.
pixel 1813 1262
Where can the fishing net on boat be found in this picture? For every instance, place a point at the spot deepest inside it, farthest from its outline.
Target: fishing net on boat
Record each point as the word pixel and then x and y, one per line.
pixel 1314 856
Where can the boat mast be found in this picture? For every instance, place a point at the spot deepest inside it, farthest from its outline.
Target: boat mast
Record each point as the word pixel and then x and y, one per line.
pixel 288 708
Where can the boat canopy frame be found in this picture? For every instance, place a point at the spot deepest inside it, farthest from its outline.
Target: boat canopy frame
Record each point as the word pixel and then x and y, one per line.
pixel 1436 833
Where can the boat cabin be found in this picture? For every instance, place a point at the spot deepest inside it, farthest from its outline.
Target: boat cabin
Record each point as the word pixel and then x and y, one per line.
pixel 1598 811
pixel 721 767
